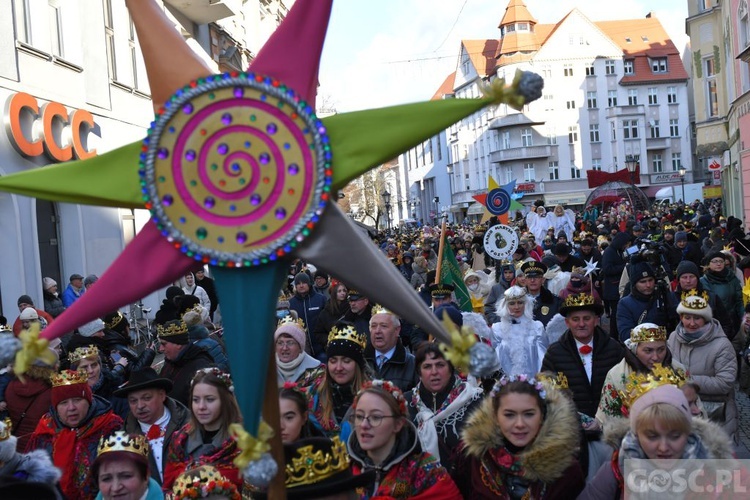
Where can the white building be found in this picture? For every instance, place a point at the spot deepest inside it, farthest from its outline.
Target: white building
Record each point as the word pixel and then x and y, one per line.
pixel 613 89
pixel 73 84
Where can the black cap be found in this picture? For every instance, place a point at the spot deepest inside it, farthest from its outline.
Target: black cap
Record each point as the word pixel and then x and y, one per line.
pixel 354 294
pixel 25 299
pixel 533 268
pixel 441 290
pixel 75 276
pixel 146 378
pixel 561 249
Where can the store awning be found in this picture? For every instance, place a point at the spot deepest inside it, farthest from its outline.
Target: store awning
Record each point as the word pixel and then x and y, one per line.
pixel 475 208
pixel 565 199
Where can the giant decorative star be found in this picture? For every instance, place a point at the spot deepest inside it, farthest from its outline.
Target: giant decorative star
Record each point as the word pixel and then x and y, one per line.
pixel 591 266
pixel 239 173
pixel 498 200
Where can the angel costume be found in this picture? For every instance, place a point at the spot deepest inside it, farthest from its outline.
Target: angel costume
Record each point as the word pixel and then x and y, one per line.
pixel 520 343
pixel 538 223
pixel 562 221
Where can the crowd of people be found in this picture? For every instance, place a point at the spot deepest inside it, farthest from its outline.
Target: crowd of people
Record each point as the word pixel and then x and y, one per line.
pixel 619 335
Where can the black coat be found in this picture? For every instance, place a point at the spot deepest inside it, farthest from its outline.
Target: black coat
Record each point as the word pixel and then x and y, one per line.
pixel 181 371
pixel 563 356
pixel 401 369
pixel 546 306
pixel 613 264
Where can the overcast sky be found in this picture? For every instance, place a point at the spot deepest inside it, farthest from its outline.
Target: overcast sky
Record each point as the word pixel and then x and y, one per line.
pixel 387 52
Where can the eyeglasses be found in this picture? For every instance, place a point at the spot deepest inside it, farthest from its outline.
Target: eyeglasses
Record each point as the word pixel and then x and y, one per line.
pixel 717 261
pixel 286 343
pixel 372 420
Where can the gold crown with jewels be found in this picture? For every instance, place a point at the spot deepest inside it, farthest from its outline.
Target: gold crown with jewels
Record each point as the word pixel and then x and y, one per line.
pixel 202 482
pixel 349 333
pixel 579 300
pixel 311 467
pixel 639 384
pixel 5 432
pixel 378 309
pixel 172 330
pixel 560 381
pixel 89 351
pixel 694 299
pixel 648 334
pixel 122 441
pixel 289 320
pixel 69 377
pixel 115 320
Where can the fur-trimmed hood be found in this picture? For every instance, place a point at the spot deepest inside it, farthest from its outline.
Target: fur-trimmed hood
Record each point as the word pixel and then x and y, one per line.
pixel 548 456
pixel 714 438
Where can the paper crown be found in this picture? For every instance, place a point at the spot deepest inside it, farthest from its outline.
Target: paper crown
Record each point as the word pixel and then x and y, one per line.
pixel 378 309
pixel 311 467
pixel 558 382
pixel 348 333
pixel 5 432
pixel 116 320
pixel 5 328
pixel 639 384
pixel 694 299
pixel 122 441
pixel 203 482
pixel 69 377
pixel 89 351
pixel 643 333
pixel 172 330
pixel 579 300
pixel 289 320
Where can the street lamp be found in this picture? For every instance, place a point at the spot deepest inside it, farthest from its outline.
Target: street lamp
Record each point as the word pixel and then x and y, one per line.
pixel 436 201
pixel 387 202
pixel 682 183
pixel 631 163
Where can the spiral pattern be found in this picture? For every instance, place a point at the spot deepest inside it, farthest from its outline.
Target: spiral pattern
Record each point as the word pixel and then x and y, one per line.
pixel 498 201
pixel 236 169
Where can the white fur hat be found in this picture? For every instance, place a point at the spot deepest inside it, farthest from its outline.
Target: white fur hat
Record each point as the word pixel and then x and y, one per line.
pixel 48 283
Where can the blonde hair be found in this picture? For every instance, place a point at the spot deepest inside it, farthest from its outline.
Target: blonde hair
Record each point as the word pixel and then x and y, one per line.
pixel 667 415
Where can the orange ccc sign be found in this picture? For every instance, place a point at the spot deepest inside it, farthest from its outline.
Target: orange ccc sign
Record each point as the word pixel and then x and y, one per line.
pixel 59 145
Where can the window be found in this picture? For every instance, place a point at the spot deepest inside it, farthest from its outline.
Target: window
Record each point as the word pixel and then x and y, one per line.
pixel 596 164
pixel 506 141
pixel 656 164
pixel 528 172
pixel 55 26
pixel 672 95
pixel 613 131
pixel 439 147
pixel 628 68
pixel 674 127
pixel 594 132
pixel 549 104
pixel 523 26
pixel 554 171
pixel 744 24
pixel 571 104
pixel 573 134
pixel 654 129
pixel 575 172
pixel 551 135
pixel 653 95
pixel 508 175
pixel 568 69
pixel 546 71
pixel 676 162
pixel 712 96
pixel 609 67
pixel 611 98
pixel 659 65
pixel 630 129
pixel 708 4
pixel 526 138
pixel 591 99
pixel 632 97
pixel 110 36
pixel 23 21
pixel 590 70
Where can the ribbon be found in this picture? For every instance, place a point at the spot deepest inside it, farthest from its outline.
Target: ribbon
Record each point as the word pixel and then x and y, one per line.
pixel 32 349
pixel 251 448
pixel 461 342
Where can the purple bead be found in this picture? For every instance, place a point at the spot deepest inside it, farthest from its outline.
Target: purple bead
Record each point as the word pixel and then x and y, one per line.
pixel 239 92
pixel 255 199
pixel 241 237
pixel 264 158
pixel 190 155
pixel 223 149
pixel 187 108
pixel 167 200
pixel 272 128
pixel 209 202
pixel 226 118
pixel 280 213
pixel 163 153
pixel 293 169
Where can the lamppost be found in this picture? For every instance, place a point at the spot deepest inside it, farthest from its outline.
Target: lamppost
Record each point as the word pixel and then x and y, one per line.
pixel 387 202
pixel 631 163
pixel 436 201
pixel 682 183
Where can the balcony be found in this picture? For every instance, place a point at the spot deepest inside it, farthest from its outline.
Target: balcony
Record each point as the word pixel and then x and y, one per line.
pixel 514 120
pixel 621 111
pixel 528 152
pixel 206 11
pixel 656 143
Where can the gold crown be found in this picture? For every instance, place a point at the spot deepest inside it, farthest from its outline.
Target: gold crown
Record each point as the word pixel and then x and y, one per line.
pixel 558 382
pixel 311 467
pixel 349 333
pixel 69 377
pixel 115 320
pixel 197 308
pixel 289 320
pixel 5 431
pixel 5 328
pixel 579 300
pixel 88 351
pixel 642 334
pixel 122 441
pixel 639 384
pixel 204 480
pixel 378 309
pixel 692 299
pixel 171 330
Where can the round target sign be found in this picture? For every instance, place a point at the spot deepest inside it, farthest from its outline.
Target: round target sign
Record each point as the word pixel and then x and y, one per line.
pixel 500 241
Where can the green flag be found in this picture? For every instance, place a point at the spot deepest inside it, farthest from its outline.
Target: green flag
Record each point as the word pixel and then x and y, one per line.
pixel 451 274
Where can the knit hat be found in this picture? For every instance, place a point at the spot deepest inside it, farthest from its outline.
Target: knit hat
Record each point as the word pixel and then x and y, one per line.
pixel 688 267
pixel 25 299
pixel 28 314
pixel 640 271
pixel 48 283
pixel 174 291
pixel 344 340
pixel 697 304
pixel 714 255
pixel 302 277
pixel 289 326
pixel 91 328
pixel 666 394
pixel 70 384
pixel 320 274
pixel 174 331
pixel 452 312
pixel 680 236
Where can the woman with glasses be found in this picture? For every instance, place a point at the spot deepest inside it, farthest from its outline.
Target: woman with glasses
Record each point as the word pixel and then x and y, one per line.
pixel 721 281
pixel 384 440
pixel 293 364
